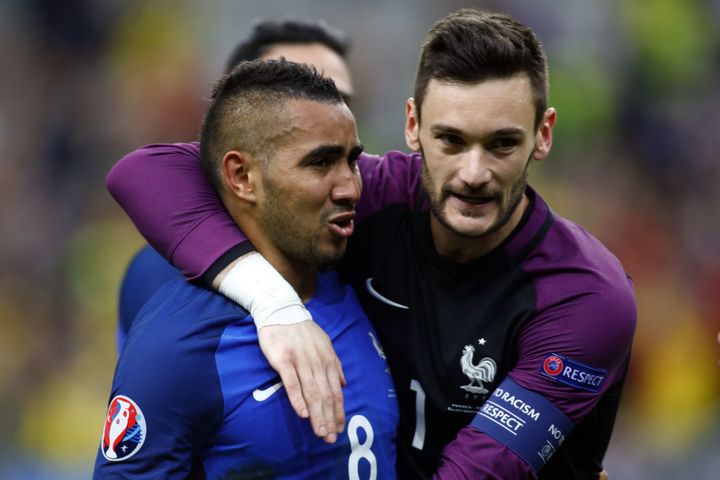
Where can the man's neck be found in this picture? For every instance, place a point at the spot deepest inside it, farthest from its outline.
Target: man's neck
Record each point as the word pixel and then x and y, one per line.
pixel 301 276
pixel 459 249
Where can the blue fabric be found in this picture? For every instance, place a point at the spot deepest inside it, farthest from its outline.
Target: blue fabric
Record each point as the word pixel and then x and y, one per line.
pixel 146 273
pixel 193 371
pixel 523 421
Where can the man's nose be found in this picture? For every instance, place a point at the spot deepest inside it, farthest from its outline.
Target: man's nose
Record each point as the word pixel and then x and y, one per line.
pixel 347 184
pixel 474 170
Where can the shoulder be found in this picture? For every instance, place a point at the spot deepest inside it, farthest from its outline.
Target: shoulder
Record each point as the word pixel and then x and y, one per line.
pixel 585 308
pixel 169 356
pixel 576 274
pixel 569 265
pixel 148 270
pixel 146 273
pixel 179 327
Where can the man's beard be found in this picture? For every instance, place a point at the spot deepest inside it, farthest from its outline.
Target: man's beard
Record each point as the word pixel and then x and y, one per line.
pixel 293 239
pixel 437 201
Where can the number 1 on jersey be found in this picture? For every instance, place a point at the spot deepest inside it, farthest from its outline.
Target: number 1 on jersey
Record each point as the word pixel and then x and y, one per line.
pixel 419 437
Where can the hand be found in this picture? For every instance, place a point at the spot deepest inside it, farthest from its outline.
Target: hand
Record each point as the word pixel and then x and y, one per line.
pixel 603 475
pixel 310 371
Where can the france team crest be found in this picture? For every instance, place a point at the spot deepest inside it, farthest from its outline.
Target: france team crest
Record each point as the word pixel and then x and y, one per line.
pixel 125 430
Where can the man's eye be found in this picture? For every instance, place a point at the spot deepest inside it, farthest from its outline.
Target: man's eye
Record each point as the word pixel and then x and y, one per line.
pixel 503 145
pixel 322 162
pixel 450 139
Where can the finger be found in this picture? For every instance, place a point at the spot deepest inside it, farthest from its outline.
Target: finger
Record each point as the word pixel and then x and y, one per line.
pixel 320 371
pixel 311 393
pixel 603 475
pixel 343 382
pixel 334 376
pixel 290 380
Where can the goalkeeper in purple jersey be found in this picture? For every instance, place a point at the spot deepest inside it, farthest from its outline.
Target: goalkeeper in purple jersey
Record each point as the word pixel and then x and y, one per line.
pixel 507 328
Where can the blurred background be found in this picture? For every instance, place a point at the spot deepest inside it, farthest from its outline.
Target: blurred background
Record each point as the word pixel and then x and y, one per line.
pixel 635 160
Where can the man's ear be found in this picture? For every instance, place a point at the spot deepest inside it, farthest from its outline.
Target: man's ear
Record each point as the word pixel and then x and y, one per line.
pixel 412 126
pixel 543 138
pixel 240 172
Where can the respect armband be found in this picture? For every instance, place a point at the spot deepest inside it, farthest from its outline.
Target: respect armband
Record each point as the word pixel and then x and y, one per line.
pixel 523 421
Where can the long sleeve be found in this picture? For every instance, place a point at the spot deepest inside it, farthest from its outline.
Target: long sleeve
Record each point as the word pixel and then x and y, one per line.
pixel 547 395
pixel 163 190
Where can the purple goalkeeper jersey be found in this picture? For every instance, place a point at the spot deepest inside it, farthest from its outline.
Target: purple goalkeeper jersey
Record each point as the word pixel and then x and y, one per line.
pixel 508 366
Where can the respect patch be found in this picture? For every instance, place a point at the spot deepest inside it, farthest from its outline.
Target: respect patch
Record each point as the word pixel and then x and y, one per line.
pixel 524 421
pixel 570 372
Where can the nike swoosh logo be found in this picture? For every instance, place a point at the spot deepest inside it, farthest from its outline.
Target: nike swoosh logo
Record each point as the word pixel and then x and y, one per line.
pixel 264 394
pixel 376 294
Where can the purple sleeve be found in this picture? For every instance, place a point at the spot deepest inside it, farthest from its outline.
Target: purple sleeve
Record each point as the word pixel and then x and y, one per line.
pixel 164 192
pixel 474 454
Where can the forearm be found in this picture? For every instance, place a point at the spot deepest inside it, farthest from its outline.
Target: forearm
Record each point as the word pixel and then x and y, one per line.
pixel 475 455
pixel 163 191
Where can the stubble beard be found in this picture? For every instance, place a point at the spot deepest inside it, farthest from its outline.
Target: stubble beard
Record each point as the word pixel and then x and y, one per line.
pixel 286 232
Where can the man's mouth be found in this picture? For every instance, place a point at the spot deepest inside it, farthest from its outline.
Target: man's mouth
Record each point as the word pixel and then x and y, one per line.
pixel 474 199
pixel 343 224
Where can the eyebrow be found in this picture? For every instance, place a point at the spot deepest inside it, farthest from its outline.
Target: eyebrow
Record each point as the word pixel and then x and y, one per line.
pixel 333 150
pixel 442 128
pixel 347 98
pixel 357 150
pixel 324 150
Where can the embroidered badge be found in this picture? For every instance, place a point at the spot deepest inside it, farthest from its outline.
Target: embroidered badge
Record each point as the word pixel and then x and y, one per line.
pixel 572 373
pixel 482 371
pixel 125 430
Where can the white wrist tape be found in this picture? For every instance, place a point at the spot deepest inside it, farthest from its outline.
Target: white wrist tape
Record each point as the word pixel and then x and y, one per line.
pixel 257 287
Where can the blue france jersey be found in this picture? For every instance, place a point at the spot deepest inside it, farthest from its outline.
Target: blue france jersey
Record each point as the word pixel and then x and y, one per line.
pixel 146 273
pixel 193 396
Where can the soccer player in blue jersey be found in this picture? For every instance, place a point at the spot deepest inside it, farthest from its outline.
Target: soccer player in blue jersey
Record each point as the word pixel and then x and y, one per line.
pixel 296 40
pixel 193 396
pixel 507 327
pixel 301 41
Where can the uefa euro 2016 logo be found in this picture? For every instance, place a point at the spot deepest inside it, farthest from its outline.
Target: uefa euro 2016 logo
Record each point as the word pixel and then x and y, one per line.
pixel 125 430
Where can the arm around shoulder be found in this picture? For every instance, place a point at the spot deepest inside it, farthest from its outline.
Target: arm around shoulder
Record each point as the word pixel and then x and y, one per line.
pixel 164 192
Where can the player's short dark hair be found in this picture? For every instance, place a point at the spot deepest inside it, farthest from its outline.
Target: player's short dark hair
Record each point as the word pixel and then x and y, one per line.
pixel 472 45
pixel 267 33
pixel 245 111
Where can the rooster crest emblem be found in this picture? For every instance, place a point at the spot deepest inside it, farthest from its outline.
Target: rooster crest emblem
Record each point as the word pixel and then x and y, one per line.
pixel 483 371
